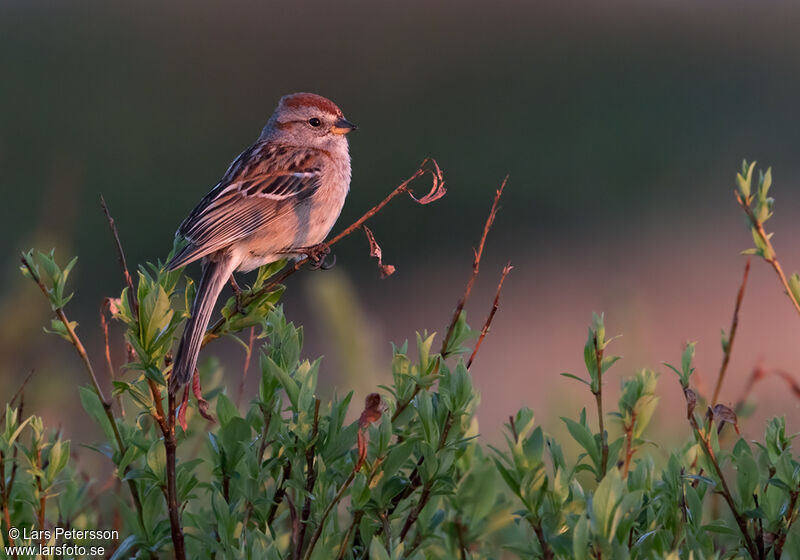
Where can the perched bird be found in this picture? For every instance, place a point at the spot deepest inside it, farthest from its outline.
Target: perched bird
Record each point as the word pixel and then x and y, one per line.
pixel 279 198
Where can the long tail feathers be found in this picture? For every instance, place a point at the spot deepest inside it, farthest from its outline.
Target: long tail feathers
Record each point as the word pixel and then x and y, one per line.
pixel 215 275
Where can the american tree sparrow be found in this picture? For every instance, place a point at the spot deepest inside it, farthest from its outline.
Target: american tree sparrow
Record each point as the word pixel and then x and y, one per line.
pixel 279 198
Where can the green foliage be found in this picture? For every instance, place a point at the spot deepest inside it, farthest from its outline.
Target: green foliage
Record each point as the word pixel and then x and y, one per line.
pixel 294 476
pixel 759 206
pixel 686 370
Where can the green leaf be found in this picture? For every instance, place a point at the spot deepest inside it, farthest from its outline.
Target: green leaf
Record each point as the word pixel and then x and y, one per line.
pixel 747 476
pixel 92 405
pixel 794 286
pixel 226 409
pixel 268 271
pixel 744 179
pixel 377 551
pixel 57 327
pixel 576 378
pixel 126 547
pixel 605 501
pixel 289 385
pixel 234 437
pixel 13 437
pixel 687 357
pixel 59 455
pixel 585 439
pixel 360 492
pixel 461 333
pixel 580 539
pixel 157 460
pixel 424 344
pixel 508 476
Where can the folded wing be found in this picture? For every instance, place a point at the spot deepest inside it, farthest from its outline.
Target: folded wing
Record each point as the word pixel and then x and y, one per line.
pixel 264 182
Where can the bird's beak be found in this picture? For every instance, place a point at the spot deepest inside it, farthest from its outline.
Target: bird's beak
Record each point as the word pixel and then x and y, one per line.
pixel 342 126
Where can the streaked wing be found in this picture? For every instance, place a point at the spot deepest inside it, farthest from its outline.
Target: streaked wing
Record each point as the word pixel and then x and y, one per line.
pixel 261 184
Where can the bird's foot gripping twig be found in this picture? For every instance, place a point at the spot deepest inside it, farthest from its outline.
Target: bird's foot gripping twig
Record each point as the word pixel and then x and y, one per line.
pixel 237 293
pixel 319 256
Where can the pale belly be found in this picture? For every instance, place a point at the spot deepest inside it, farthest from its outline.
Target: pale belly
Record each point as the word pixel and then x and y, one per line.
pixel 305 226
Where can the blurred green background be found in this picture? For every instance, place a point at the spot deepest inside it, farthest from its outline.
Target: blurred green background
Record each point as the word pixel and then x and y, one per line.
pixel 621 125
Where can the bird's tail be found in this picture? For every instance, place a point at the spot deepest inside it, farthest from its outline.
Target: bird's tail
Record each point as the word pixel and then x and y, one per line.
pixel 215 275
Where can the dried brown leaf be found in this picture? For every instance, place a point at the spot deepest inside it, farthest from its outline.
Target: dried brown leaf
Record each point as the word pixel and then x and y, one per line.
pixel 202 404
pixel 437 187
pixel 375 251
pixel 372 413
pixel 372 410
pixel 114 305
pixel 723 414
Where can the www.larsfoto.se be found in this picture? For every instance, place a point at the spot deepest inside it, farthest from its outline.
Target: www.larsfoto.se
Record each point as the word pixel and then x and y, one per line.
pixel 55 550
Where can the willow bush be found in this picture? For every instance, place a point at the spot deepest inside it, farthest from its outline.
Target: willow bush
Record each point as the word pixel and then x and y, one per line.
pixel 403 474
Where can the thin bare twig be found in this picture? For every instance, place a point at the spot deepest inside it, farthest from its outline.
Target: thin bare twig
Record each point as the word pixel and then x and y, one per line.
pixel 725 491
pixel 428 486
pixel 106 305
pixel 476 263
pixel 5 494
pixel 37 450
pixel 759 374
pixel 734 324
pixel 280 492
pixel 373 471
pixel 166 422
pixel 15 466
pixel 772 259
pixel 600 417
pixel 159 415
pixel 247 357
pixel 76 342
pixel 629 449
pixel 17 394
pixel 513 425
pixel 343 548
pixel 462 545
pixel 547 552
pixel 171 446
pixel 7 485
pixel 121 254
pixel 371 413
pixel 414 479
pixel 437 191
pixel 311 479
pixel 262 447
pixel 791 516
pixel 508 268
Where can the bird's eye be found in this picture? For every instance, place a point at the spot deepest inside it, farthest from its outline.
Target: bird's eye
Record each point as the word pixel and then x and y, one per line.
pixel 314 121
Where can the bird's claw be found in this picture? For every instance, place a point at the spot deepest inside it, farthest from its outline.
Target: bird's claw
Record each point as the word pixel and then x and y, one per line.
pixel 318 255
pixel 237 293
pixel 327 263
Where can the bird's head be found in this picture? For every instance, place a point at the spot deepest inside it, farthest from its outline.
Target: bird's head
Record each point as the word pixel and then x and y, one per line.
pixel 308 119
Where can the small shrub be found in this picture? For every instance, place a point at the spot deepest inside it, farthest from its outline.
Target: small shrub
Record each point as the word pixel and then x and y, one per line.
pixel 290 477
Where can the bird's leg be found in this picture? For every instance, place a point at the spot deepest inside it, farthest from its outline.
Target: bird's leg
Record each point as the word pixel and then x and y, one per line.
pixel 318 254
pixel 237 292
pixel 328 264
